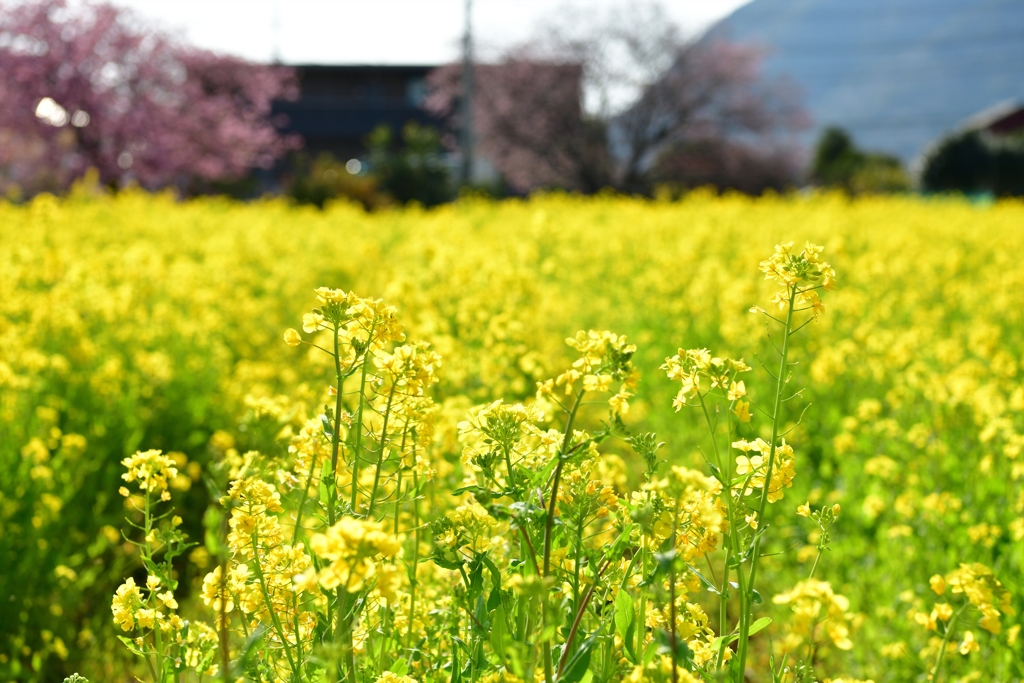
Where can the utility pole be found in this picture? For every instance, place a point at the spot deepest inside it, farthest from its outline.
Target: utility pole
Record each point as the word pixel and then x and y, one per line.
pixel 466 176
pixel 275 30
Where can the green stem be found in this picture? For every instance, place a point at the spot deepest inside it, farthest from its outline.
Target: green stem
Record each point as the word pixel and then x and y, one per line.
pixel 350 653
pixel 270 606
pixel 302 500
pixel 222 627
pixel 380 451
pixel 147 556
pixel 384 632
pixel 335 442
pixel 733 550
pixel 508 466
pixel 344 630
pixel 549 525
pixel 576 564
pixel 415 556
pixel 298 639
pixel 815 565
pixel 945 640
pixel 359 417
pixel 756 548
pixel 159 649
pixel 673 634
pixel 580 611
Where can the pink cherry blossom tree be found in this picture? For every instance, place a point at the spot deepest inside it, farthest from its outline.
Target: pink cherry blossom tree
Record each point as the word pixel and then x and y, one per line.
pixel 529 122
pixel 91 86
pixel 625 101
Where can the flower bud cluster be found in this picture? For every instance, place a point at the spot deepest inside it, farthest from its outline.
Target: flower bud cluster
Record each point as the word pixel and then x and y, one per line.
pixel 152 470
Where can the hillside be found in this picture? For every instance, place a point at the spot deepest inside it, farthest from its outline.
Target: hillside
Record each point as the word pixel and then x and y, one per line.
pixel 895 73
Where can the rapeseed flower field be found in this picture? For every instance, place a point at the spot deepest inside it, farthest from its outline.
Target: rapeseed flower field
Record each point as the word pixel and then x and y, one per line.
pixel 558 439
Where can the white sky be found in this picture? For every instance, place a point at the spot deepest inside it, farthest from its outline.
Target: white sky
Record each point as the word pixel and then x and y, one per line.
pixel 377 31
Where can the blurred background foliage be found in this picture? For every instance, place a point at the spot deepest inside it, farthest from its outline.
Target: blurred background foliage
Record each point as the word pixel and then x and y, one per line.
pixel 838 163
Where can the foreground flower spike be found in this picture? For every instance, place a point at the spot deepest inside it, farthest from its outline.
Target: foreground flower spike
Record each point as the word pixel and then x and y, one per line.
pixel 750 482
pixel 801 276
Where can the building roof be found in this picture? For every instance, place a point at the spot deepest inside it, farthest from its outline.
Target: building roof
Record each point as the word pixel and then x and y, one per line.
pixel 1001 118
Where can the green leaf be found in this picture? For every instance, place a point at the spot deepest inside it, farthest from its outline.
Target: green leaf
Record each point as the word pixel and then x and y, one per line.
pixel 650 652
pixel 495 580
pixel 755 597
pixel 476 578
pixel 456 674
pixel 542 476
pixel 703 579
pixel 759 625
pixel 483 495
pixel 620 543
pixel 665 560
pixel 399 667
pixel 249 649
pixel 130 644
pixel 577 666
pixel 446 563
pixel 499 633
pixel 325 476
pixel 717 643
pixel 624 615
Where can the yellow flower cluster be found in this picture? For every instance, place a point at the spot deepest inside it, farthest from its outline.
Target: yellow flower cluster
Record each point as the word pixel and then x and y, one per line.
pixel 354 318
pixel 354 548
pixel 692 366
pixel 800 275
pixel 152 470
pixel 193 642
pixel 982 589
pixel 605 357
pixel 816 608
pixel 467 525
pixel 753 469
pixel 388 677
pixel 259 578
pixel 411 367
pixel 660 671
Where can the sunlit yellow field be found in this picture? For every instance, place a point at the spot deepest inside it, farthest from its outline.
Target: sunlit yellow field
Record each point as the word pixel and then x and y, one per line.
pixel 138 322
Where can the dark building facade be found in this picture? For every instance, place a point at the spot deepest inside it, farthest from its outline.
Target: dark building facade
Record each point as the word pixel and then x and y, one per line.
pixel 339 105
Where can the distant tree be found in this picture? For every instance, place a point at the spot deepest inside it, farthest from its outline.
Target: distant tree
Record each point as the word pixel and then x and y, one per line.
pixel 411 168
pixel 836 159
pixel 88 85
pixel 973 162
pixel 724 164
pixel 621 101
pixel 529 122
pixel 839 163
